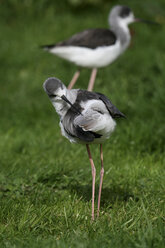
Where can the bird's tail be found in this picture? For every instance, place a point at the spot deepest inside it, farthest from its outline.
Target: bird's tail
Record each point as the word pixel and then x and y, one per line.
pixel 47 47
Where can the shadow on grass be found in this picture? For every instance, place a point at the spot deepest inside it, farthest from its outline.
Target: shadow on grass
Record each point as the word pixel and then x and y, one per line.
pixel 109 195
pixel 75 184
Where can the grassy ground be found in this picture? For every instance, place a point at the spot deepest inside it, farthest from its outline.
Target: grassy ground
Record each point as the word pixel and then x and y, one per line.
pixel 45 182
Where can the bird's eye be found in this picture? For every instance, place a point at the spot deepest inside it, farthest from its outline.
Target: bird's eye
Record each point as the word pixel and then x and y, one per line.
pixel 125 12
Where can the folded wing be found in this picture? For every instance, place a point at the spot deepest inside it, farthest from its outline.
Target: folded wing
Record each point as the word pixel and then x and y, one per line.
pixel 90 38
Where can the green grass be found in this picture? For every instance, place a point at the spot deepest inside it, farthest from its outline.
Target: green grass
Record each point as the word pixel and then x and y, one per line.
pixel 45 182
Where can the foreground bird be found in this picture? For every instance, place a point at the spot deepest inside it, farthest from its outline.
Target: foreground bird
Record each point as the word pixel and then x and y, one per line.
pixel 99 47
pixel 85 118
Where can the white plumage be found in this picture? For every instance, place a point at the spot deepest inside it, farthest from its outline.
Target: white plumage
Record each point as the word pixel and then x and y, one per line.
pixel 91 58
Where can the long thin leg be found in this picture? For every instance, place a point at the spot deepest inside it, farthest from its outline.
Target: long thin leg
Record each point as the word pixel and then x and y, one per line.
pixel 74 79
pixel 93 179
pixel 92 79
pixel 101 178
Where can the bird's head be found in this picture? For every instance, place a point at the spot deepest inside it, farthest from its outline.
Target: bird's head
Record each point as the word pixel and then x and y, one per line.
pixel 123 16
pixel 54 88
pixel 57 92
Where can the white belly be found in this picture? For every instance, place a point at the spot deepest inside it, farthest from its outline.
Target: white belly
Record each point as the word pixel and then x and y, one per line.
pixel 86 57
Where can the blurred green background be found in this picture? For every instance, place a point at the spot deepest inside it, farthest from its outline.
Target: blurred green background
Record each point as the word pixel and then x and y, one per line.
pixel 45 182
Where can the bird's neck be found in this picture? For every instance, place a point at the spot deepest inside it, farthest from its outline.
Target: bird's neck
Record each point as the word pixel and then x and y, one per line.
pixel 61 106
pixel 123 34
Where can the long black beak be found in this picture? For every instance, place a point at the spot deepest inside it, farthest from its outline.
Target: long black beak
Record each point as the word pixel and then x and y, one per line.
pixel 145 21
pixel 66 100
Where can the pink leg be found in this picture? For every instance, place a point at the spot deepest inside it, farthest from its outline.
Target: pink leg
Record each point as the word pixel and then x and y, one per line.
pixel 92 79
pixel 93 179
pixel 101 179
pixel 74 79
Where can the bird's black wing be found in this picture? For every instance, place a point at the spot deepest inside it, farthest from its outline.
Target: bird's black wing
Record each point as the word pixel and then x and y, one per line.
pixel 114 112
pixel 84 95
pixel 90 38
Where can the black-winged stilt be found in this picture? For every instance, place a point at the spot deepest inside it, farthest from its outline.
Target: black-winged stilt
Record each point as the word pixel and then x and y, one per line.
pixel 99 47
pixel 85 118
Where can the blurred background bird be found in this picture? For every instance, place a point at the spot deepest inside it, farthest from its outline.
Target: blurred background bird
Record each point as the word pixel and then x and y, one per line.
pixel 97 47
